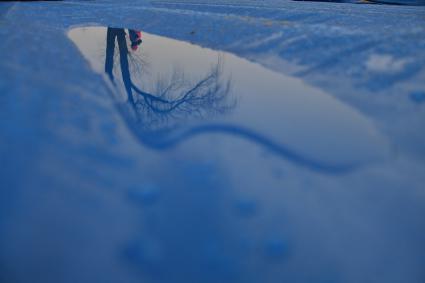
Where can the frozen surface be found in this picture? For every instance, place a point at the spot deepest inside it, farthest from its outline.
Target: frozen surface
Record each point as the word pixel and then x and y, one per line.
pixel 88 195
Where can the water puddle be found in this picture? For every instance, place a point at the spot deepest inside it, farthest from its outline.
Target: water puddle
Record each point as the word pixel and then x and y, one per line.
pixel 169 91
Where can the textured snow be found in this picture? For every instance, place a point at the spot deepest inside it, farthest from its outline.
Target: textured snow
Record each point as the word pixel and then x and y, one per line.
pixel 81 200
pixel 385 63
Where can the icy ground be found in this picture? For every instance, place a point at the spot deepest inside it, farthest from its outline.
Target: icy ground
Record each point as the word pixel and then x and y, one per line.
pixel 81 200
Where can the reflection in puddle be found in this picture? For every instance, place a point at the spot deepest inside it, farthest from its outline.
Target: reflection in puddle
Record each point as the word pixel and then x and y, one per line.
pixel 164 102
pixel 169 91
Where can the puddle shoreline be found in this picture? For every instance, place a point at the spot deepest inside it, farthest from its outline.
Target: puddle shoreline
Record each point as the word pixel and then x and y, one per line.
pixel 178 90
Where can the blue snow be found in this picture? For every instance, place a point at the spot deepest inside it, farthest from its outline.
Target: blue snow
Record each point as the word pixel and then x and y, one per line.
pixel 300 157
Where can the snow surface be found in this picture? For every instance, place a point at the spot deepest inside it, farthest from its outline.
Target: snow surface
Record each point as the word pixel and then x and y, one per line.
pixel 81 200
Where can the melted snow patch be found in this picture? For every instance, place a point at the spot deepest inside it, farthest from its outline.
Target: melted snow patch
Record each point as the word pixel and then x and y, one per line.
pixel 294 120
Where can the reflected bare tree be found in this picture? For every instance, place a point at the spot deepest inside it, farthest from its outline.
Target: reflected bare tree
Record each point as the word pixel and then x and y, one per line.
pixel 174 97
pixel 160 112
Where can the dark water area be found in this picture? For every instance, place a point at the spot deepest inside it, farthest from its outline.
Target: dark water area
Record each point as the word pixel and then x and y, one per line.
pixel 380 2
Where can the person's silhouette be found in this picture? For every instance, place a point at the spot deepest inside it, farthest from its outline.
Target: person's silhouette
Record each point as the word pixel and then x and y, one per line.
pixel 135 39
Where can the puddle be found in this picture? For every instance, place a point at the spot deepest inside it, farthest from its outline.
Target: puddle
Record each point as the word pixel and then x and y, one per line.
pixel 169 91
